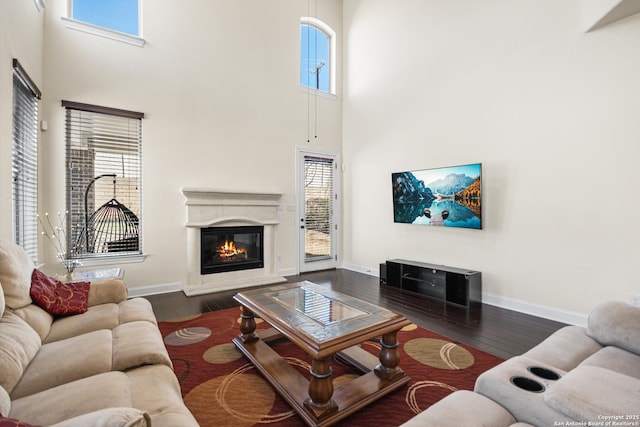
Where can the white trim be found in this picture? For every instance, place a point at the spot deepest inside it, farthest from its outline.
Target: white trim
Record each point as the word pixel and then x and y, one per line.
pixel 155 289
pixel 287 272
pixel 539 310
pixel 102 32
pixel 111 260
pixel 360 269
pixel 547 312
pixel 316 92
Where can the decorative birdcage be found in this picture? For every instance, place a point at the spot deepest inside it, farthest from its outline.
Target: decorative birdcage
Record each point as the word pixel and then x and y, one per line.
pixel 111 228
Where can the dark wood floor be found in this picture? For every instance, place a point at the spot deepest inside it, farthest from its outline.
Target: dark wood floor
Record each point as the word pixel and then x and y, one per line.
pixel 504 333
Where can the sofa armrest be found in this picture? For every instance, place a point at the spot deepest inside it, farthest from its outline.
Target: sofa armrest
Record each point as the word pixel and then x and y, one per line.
pixel 463 408
pixel 110 417
pixel 107 291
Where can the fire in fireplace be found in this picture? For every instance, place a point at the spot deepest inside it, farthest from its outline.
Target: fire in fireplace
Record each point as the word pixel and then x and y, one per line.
pixel 231 248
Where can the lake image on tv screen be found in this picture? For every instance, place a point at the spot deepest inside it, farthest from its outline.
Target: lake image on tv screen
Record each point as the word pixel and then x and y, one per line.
pixel 449 197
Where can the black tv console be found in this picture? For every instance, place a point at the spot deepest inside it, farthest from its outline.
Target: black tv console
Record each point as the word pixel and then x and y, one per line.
pixel 448 284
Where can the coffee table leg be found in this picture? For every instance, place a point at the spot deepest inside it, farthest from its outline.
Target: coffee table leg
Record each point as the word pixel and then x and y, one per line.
pixel 389 357
pixel 321 388
pixel 248 326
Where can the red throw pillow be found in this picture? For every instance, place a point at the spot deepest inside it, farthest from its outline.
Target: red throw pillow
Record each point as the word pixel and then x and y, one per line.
pixel 10 422
pixel 57 298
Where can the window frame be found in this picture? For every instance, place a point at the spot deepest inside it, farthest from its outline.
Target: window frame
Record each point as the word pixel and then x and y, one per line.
pixel 24 186
pixel 103 258
pixel 90 28
pixel 331 34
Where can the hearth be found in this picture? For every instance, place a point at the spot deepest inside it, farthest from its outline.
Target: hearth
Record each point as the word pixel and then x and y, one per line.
pixel 231 248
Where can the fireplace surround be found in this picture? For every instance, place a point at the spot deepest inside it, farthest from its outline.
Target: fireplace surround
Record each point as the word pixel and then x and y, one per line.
pixel 230 211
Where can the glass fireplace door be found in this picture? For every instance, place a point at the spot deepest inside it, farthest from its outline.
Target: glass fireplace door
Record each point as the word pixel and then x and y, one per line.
pixel 231 248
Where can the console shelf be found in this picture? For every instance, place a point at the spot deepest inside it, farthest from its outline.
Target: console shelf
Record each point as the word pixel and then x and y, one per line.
pixel 450 285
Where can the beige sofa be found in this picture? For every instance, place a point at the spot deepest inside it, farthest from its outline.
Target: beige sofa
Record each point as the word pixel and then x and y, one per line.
pixel 105 367
pixel 577 376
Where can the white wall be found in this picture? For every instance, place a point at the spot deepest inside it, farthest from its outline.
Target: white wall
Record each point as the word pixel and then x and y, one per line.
pixel 552 113
pixel 21 30
pixel 218 83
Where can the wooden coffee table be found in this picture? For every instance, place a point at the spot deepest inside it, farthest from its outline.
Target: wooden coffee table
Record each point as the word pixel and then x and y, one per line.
pixel 323 323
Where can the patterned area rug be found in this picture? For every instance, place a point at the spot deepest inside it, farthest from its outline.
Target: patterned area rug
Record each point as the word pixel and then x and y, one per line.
pixel 221 387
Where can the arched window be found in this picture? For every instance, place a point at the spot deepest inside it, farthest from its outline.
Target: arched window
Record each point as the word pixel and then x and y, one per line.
pixel 317 55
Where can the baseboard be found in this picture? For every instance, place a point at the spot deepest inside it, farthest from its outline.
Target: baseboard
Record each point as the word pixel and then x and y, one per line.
pixel 360 269
pixel 546 312
pixel 155 289
pixel 551 313
pixel 287 272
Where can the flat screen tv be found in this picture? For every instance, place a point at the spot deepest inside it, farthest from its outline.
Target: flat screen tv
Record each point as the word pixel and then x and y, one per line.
pixel 448 196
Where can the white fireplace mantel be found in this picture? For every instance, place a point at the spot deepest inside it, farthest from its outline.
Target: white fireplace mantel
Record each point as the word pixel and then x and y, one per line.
pixel 222 208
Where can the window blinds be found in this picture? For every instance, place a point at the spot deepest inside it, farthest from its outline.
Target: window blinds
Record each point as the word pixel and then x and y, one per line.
pixel 104 174
pixel 25 161
pixel 319 201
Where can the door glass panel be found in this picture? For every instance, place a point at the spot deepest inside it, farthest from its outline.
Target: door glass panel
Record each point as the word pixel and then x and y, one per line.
pixel 318 202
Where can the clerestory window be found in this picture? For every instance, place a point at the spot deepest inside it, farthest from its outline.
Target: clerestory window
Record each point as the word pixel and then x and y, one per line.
pixel 117 15
pixel 317 55
pixel 115 19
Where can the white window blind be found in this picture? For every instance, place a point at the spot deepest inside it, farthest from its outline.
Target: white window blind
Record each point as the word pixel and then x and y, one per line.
pixel 319 202
pixel 25 161
pixel 104 180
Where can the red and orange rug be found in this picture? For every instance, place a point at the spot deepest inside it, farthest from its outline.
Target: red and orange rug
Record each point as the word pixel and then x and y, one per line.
pixel 221 387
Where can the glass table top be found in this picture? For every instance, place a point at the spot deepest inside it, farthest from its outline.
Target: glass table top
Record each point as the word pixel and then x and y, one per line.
pixel 316 306
pixel 316 314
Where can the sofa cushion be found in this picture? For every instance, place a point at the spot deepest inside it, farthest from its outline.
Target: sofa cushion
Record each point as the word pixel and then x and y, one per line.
pixel 588 393
pixel 136 309
pixel 67 360
pixel 153 389
pixel 138 343
pixel 57 298
pixel 554 351
pixel 37 318
pixel 615 323
pixel 110 417
pixel 15 274
pixel 156 390
pixel 19 344
pixel 111 389
pixel 103 316
pixel 616 359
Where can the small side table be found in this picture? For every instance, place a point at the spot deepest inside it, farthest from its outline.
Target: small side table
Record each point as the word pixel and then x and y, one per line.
pixel 92 275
